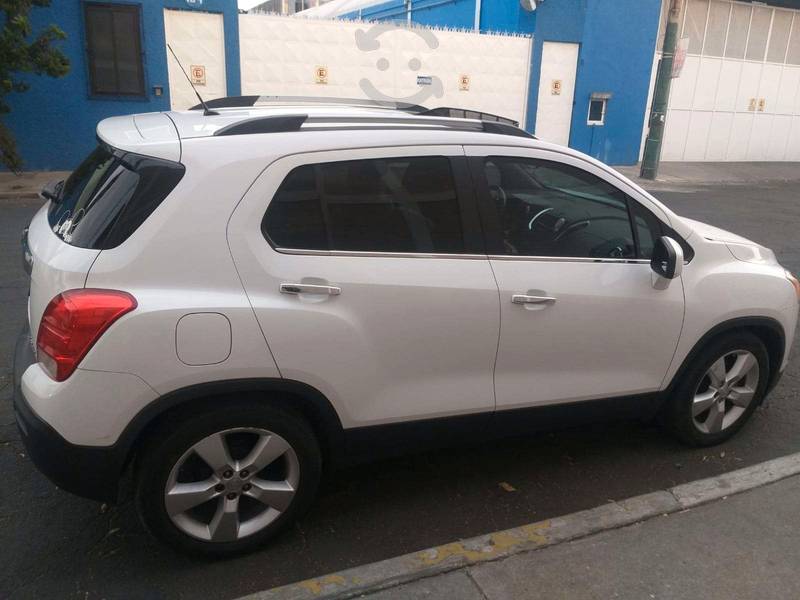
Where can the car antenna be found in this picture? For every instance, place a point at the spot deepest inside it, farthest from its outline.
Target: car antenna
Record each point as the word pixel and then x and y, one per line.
pixel 206 111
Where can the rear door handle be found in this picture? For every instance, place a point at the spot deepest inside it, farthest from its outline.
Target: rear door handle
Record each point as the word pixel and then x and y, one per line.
pixel 305 288
pixel 523 299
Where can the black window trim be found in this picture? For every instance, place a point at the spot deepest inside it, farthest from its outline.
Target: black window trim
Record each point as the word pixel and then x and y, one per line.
pixel 134 9
pixel 491 226
pixel 474 247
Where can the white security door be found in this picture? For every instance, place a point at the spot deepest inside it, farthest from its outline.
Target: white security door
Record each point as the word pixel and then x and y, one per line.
pixel 556 92
pixel 580 316
pixel 360 283
pixel 198 39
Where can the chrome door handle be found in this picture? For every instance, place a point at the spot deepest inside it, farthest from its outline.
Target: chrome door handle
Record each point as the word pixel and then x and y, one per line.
pixel 304 288
pixel 523 299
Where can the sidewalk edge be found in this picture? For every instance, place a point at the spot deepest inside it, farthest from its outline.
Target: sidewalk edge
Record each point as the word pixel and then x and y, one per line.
pixel 501 544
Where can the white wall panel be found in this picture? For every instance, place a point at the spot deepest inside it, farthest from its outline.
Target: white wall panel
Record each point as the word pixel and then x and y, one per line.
pixel 728 87
pixel 740 136
pixel 793 147
pixel 770 84
pixel 718 135
pixel 707 79
pixel 748 84
pixel 683 88
pixel 697 136
pixel 759 136
pixel 280 55
pixel 675 134
pixel 779 137
pixel 788 91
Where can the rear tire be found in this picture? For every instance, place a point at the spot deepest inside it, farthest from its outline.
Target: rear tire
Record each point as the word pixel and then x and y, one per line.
pixel 719 391
pixel 225 480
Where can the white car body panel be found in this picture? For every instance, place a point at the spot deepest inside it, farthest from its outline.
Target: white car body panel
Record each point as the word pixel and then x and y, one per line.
pixel 410 337
pixel 422 330
pixel 610 332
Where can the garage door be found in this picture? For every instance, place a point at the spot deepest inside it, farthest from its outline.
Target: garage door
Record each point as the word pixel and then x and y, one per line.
pixel 738 97
pixel 199 41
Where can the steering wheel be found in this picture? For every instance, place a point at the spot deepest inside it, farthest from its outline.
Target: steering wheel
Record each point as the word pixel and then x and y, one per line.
pixel 572 228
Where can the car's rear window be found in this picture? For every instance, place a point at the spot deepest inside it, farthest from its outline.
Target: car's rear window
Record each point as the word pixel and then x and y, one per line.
pixel 109 195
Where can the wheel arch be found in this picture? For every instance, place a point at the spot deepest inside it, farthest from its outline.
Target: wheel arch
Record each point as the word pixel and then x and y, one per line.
pixel 767 329
pixel 285 393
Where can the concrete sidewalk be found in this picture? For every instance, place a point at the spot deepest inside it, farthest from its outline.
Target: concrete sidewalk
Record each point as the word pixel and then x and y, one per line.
pixel 745 546
pixel 736 535
pixel 27 184
pixel 677 174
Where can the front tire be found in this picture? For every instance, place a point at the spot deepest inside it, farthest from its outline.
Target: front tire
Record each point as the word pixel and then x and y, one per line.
pixel 720 390
pixel 225 480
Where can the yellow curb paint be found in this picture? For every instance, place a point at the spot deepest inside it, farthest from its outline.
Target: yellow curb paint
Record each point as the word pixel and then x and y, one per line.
pixel 499 542
pixel 317 586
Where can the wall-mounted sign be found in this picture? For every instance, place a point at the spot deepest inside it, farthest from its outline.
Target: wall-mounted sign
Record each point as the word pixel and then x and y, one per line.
pixel 555 87
pixel 463 83
pixel 194 2
pixel 424 80
pixel 679 59
pixel 321 74
pixel 198 74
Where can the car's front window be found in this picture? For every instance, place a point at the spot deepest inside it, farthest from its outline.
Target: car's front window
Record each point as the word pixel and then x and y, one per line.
pixel 547 208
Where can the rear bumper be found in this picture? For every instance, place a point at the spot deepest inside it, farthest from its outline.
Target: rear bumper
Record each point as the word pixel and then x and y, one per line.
pixel 89 471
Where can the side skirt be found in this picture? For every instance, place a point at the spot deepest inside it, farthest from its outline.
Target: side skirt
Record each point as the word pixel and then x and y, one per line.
pixel 365 444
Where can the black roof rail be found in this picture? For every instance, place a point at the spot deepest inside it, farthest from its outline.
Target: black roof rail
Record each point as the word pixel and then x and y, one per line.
pixel 284 123
pixel 247 101
pixel 268 124
pixel 465 113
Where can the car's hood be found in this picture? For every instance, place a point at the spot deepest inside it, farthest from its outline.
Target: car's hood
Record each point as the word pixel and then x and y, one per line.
pixel 716 234
pixel 741 248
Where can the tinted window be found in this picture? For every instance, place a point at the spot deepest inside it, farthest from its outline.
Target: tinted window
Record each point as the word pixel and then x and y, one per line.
pixel 548 208
pixel 109 195
pixel 114 49
pixel 380 205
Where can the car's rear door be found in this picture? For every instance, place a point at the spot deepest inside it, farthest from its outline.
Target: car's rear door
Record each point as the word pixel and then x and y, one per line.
pixel 367 272
pixel 582 315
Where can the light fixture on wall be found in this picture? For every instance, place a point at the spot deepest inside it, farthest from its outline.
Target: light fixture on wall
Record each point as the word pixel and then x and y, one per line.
pixel 530 5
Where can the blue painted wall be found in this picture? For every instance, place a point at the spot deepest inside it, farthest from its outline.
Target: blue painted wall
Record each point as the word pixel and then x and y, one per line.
pixel 616 56
pixel 54 121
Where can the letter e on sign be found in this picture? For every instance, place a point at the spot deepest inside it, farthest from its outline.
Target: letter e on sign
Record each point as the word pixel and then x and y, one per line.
pixel 555 87
pixel 321 74
pixel 198 74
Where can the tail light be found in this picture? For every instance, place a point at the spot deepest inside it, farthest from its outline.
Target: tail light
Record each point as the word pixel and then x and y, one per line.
pixel 72 322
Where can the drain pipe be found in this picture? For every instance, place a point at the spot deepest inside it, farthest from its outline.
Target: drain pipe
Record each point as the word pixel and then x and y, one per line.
pixel 477 15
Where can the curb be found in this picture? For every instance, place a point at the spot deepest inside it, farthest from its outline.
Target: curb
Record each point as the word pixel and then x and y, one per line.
pixel 501 544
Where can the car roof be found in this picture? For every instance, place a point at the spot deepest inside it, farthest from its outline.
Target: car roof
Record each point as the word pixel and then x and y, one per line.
pixel 161 134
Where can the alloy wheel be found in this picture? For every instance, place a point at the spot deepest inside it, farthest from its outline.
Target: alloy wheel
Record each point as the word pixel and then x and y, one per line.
pixel 232 484
pixel 725 391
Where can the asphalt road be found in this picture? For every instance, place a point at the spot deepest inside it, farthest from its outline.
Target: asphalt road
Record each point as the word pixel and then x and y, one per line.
pixel 55 545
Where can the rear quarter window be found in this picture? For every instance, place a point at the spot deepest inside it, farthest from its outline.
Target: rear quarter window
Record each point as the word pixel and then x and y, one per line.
pixel 109 196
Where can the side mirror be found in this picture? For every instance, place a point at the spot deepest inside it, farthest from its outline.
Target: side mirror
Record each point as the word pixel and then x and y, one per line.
pixel 52 190
pixel 667 261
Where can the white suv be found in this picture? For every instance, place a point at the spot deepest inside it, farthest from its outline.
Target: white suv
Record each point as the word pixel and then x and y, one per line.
pixel 226 304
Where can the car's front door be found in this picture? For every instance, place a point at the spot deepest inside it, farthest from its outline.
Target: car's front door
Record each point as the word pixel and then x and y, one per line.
pixel 368 276
pixel 582 316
